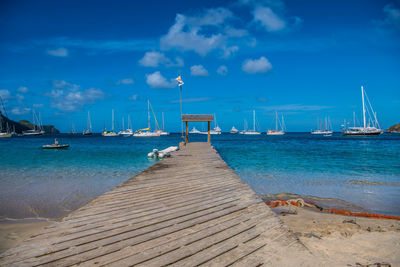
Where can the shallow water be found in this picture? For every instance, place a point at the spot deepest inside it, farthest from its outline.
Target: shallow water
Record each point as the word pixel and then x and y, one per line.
pixel 45 183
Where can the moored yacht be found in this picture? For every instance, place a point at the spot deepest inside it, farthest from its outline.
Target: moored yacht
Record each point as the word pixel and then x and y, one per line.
pixel 194 131
pixel 276 131
pixel 251 132
pixel 370 128
pixel 146 132
pixel 37 128
pixel 234 130
pixel 112 132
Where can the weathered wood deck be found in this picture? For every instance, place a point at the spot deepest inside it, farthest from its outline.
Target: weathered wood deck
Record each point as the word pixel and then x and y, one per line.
pixel 187 210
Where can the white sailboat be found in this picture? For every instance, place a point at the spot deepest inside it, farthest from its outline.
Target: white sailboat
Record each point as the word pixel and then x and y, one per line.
pixel 128 132
pixel 162 131
pixel 3 133
pixel 88 131
pixel 6 132
pixel 194 131
pixel 370 128
pixel 110 133
pixel 252 132
pixel 245 126
pixel 233 130
pixel 146 132
pixel 37 127
pixel 215 130
pixel 326 131
pixel 276 131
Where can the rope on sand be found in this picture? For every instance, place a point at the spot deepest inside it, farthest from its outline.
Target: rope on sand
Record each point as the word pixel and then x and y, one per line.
pixel 299 202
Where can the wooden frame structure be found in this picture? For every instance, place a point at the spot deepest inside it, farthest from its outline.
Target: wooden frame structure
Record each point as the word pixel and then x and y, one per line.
pixel 197 118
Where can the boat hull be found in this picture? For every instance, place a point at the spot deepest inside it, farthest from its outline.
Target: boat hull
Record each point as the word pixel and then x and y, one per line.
pixel 361 134
pixel 5 135
pixel 55 147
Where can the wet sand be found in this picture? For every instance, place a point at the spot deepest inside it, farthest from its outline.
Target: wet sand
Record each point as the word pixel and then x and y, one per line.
pixel 13 234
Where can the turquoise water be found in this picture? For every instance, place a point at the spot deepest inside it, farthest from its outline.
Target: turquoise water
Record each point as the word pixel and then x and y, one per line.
pixel 48 184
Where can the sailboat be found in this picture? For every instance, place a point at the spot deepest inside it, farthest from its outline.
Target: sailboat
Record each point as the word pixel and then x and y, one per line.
pixel 194 131
pixel 88 131
pixel 129 131
pixel 215 130
pixel 37 127
pixel 245 126
pixel 372 128
pixel 2 132
pixel 146 132
pixel 326 131
pixel 252 132
pixel 73 131
pixel 110 133
pixel 276 131
pixel 234 130
pixel 161 131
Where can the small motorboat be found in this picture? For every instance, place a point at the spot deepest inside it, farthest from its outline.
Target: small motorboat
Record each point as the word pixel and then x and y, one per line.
pixel 54 146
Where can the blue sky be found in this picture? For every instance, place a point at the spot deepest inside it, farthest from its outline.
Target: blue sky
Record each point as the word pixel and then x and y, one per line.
pixel 304 59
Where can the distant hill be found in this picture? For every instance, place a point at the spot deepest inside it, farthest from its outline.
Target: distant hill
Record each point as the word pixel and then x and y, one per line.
pixel 24 125
pixel 394 128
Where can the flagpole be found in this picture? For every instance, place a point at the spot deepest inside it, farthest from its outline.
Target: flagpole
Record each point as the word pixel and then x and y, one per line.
pixel 180 93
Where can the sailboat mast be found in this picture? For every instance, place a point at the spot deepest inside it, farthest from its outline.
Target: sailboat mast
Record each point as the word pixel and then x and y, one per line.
pixel 354 119
pixel 112 113
pixel 276 120
pixel 363 103
pixel 254 120
pixel 89 122
pixel 163 121
pixel 148 112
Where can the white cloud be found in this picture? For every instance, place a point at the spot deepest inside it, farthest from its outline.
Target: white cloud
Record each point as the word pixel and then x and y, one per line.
pixel 69 97
pixel 156 80
pixel 222 70
pixel 134 97
pixel 229 51
pixel 58 52
pixel 155 59
pixel 177 37
pixel 5 94
pixel 23 89
pixel 198 70
pixel 201 33
pixel 268 19
pixel 20 110
pixel 260 65
pixel 125 81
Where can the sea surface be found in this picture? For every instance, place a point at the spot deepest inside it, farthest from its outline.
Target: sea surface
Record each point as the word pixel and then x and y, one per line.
pixel 48 184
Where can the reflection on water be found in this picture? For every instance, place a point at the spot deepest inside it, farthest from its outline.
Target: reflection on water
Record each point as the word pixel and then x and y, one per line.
pixel 46 183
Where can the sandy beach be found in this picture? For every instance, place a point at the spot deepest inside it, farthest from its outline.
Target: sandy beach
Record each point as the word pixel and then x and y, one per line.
pixel 345 240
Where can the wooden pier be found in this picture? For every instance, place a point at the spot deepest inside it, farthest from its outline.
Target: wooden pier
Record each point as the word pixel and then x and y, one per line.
pixel 187 210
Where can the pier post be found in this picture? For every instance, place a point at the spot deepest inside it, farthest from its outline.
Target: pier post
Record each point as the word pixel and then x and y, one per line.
pixel 209 136
pixel 186 133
